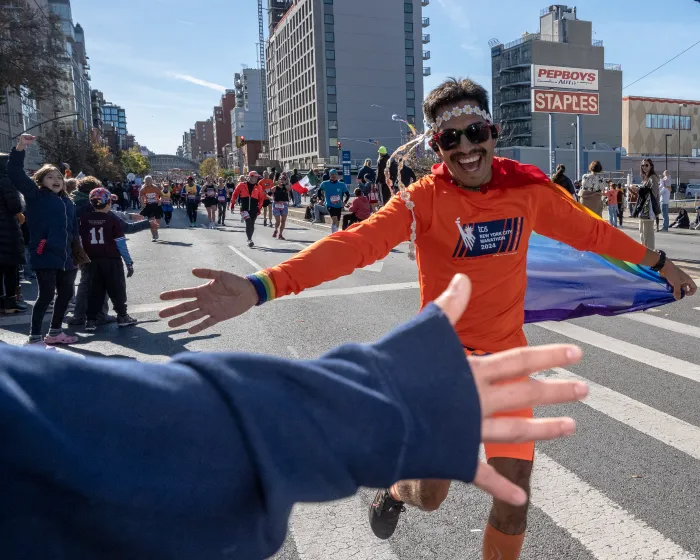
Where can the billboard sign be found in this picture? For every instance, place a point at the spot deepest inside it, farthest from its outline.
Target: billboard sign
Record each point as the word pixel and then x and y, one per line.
pixel 567 102
pixel 564 78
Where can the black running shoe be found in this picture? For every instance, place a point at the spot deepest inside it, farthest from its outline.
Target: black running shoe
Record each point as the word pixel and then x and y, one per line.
pixel 384 514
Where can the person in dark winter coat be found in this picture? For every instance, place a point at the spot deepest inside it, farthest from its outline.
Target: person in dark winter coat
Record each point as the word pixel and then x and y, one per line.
pixel 562 180
pixel 11 241
pixel 367 173
pixel 381 175
pixel 52 228
pixel 407 175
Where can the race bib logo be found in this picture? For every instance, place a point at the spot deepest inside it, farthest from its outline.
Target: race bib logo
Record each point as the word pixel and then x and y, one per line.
pixel 488 238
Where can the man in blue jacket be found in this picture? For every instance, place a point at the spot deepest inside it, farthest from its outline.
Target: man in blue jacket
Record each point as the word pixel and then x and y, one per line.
pixel 204 457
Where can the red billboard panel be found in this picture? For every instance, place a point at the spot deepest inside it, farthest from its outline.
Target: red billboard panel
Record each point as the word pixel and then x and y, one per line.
pixel 569 102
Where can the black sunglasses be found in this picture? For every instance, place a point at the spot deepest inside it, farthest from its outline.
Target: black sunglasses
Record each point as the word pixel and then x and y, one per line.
pixel 476 133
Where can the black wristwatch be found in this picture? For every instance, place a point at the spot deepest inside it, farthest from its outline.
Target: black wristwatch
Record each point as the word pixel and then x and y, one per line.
pixel 662 262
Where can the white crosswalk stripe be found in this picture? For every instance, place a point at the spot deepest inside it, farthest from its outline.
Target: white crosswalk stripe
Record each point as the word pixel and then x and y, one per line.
pixel 667 324
pixel 599 524
pixel 661 426
pixel 632 351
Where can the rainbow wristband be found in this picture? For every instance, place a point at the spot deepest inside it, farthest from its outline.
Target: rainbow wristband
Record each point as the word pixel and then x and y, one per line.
pixel 263 286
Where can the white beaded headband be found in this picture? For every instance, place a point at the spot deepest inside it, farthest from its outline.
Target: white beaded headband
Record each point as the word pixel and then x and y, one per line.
pixel 456 112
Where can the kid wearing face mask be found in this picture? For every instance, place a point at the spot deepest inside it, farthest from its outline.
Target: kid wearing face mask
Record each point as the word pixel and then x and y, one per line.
pixel 52 230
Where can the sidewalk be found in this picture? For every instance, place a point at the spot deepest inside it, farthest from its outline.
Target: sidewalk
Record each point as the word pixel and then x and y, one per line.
pixel 633 224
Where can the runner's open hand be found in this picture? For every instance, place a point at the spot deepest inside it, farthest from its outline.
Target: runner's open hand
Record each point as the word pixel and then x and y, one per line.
pixel 490 372
pixel 224 297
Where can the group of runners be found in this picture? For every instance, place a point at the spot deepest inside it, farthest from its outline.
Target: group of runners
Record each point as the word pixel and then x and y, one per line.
pixel 255 194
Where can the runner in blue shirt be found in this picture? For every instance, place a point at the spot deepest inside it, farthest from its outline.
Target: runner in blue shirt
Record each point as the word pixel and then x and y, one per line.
pixel 335 190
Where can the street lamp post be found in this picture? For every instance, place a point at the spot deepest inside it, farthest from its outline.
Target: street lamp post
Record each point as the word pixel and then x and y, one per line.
pixel 667 137
pixel 678 161
pixel 576 149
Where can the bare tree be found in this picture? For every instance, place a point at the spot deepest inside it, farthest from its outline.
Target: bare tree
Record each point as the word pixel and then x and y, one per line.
pixel 32 50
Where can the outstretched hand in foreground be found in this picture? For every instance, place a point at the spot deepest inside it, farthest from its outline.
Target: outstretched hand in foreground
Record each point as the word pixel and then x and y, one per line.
pixel 224 297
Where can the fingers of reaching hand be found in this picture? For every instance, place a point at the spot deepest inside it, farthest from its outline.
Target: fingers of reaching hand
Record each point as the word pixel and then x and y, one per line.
pixel 521 362
pixel 184 293
pixel 529 393
pixel 518 430
pixel 488 480
pixel 207 273
pixel 453 301
pixel 183 307
pixel 188 318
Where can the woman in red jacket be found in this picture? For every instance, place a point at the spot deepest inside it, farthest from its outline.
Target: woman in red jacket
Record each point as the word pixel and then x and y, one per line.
pixel 251 197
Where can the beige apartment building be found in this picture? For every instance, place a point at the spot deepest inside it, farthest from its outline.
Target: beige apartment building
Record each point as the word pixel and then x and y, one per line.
pixel 651 126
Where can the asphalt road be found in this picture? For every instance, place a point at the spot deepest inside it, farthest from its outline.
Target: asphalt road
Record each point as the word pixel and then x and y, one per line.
pixel 625 487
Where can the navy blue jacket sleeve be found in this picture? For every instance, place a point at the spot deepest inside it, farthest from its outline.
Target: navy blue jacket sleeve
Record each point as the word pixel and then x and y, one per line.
pixel 15 171
pixel 204 456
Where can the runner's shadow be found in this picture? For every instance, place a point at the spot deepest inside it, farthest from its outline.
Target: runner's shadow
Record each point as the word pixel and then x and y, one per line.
pixel 282 251
pixel 302 241
pixel 175 243
pixel 143 341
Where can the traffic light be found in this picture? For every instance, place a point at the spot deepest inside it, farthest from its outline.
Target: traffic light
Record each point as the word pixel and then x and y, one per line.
pixel 240 141
pixel 340 144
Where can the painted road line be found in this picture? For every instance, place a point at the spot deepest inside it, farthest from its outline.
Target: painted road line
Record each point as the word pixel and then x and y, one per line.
pixel 333 292
pixel 599 524
pixel 246 258
pixel 336 531
pixel 654 423
pixel 666 324
pixel 374 267
pixel 627 350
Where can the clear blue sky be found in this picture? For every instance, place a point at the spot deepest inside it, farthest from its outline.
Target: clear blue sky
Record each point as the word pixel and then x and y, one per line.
pixel 166 61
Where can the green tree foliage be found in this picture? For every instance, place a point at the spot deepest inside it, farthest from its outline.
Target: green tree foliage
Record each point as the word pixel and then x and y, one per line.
pixel 133 161
pixel 209 167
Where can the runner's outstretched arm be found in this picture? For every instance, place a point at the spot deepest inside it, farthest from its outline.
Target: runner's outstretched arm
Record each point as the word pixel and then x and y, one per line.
pixel 208 453
pixel 559 217
pixel 227 295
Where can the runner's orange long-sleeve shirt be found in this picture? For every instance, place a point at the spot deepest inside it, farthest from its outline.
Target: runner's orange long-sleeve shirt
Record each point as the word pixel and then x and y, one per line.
pixel 483 235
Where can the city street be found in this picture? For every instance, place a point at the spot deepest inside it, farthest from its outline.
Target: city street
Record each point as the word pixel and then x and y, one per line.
pixel 625 487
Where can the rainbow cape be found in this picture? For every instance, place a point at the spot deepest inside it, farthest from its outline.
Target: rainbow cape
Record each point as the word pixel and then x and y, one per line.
pixel 564 283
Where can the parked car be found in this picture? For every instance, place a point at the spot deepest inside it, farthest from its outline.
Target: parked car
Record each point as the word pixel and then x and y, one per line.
pixel 692 191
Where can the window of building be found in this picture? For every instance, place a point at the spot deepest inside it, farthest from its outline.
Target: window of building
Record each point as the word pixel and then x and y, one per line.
pixel 668 122
pixel 332 107
pixel 330 54
pixel 411 111
pixel 330 72
pixel 331 90
pixel 408 7
pixel 330 36
pixel 332 125
pixel 410 77
pixel 410 94
pixel 328 18
pixel 409 43
pixel 333 142
pixel 409 61
pixel 327 1
pixel 408 27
